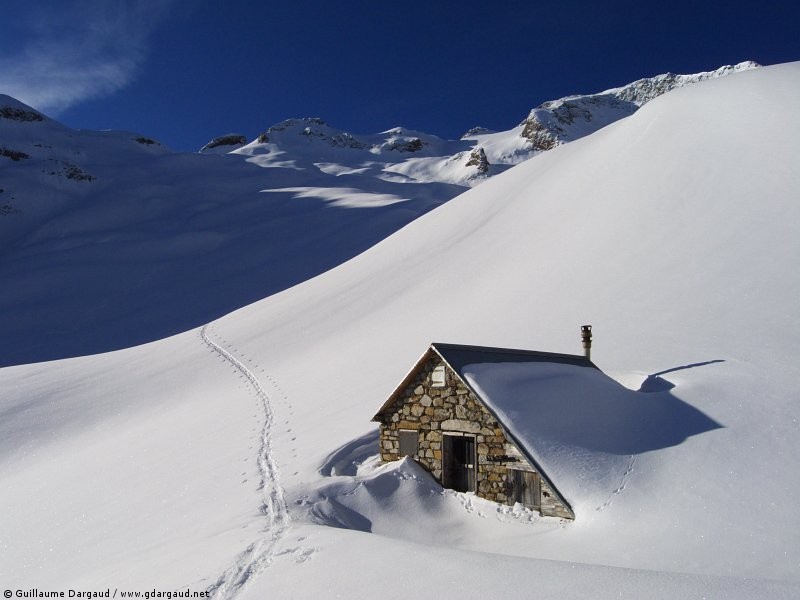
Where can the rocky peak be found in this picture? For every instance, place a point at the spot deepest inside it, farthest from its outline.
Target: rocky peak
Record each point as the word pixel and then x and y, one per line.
pixel 572 117
pixel 542 136
pixel 19 114
pixel 477 158
pixel 642 91
pixel 296 122
pixel 312 128
pixel 346 140
pixel 475 131
pixel 405 145
pixel 226 143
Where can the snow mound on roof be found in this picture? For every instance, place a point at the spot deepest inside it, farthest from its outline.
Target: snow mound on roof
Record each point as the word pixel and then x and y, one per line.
pixel 582 427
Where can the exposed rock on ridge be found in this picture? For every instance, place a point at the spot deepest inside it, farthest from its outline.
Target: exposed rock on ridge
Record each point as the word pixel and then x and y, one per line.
pixel 558 121
pixel 18 114
pixel 227 142
pixel 401 154
pixel 477 158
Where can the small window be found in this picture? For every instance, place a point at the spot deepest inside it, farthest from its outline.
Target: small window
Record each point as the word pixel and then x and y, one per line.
pixel 409 443
pixel 437 377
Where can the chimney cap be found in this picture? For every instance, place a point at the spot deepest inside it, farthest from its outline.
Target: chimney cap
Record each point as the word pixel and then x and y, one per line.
pixel 586 338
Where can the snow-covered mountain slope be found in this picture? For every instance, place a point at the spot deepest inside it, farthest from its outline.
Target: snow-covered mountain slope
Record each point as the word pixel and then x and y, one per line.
pixel 132 238
pixel 108 239
pixel 398 155
pixel 227 457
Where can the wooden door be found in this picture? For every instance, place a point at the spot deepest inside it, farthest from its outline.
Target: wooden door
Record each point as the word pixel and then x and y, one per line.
pixel 527 488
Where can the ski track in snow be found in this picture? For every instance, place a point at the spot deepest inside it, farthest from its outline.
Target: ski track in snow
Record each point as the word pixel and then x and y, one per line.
pixel 260 554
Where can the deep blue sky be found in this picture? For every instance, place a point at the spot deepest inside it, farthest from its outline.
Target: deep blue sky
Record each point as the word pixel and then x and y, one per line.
pixel 185 71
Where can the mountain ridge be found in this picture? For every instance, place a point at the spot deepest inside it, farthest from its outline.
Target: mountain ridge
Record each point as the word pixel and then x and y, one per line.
pixel 63 190
pixel 548 125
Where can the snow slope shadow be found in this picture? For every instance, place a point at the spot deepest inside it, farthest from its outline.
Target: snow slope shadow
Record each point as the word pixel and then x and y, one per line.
pixel 358 486
pixel 194 240
pixel 346 460
pixel 656 383
pixel 659 420
pixel 396 491
pixel 331 512
pixel 557 409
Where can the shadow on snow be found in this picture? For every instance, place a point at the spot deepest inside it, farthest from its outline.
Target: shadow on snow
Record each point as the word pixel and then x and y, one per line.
pixel 598 431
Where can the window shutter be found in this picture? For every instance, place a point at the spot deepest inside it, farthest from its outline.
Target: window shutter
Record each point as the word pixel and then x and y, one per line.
pixel 409 443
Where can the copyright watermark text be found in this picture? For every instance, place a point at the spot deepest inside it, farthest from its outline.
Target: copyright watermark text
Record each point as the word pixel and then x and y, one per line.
pixel 106 593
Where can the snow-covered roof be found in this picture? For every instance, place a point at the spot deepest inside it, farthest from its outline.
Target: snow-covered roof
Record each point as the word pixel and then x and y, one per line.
pixel 580 427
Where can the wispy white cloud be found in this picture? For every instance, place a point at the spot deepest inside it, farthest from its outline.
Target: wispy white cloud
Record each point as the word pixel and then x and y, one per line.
pixel 80 50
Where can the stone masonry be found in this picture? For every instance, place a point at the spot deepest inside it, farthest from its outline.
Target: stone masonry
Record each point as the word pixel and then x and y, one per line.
pixel 433 411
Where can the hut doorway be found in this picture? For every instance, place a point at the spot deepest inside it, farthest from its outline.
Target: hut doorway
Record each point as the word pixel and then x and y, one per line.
pixel 458 462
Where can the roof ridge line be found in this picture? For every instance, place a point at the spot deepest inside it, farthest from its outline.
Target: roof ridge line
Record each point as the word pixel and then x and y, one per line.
pixel 519 351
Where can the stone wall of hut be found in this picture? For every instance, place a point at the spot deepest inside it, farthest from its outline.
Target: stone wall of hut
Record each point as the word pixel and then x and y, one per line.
pixel 452 409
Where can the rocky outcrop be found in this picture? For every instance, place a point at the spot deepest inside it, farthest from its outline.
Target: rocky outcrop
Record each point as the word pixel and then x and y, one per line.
pixel 338 140
pixel 6 206
pixel 475 131
pixel 14 155
pixel 541 136
pixel 14 113
pixel 558 121
pixel 477 159
pixel 345 140
pixel 642 91
pixel 286 124
pixel 406 145
pixel 312 128
pixel 227 142
pixel 67 170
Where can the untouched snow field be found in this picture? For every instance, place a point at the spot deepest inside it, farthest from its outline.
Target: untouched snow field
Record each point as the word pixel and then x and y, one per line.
pixel 239 457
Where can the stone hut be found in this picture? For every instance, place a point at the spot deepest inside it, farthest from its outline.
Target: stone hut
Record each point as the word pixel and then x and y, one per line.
pixel 470 439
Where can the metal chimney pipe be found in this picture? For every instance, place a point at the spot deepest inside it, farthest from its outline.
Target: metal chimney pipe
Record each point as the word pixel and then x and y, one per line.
pixel 586 338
